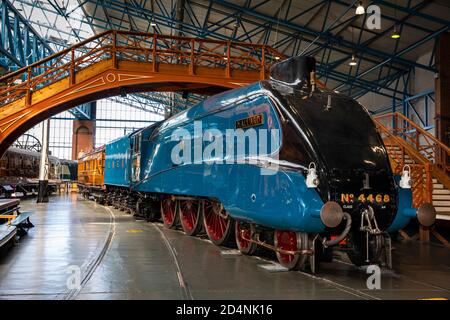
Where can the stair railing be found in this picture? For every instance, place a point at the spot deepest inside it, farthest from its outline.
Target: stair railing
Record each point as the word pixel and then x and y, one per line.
pixel 421 171
pixel 421 140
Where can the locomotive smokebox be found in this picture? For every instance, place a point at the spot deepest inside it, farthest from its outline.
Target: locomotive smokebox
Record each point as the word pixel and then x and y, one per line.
pixel 295 71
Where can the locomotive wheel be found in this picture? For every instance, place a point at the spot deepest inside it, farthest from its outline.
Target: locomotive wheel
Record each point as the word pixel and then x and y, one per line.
pixel 244 230
pixel 358 255
pixel 287 240
pixel 169 212
pixel 108 199
pixel 144 210
pixel 218 225
pixel 190 216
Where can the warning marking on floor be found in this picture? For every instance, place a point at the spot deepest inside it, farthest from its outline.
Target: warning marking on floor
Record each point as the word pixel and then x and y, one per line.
pixel 230 253
pixel 273 267
pixel 134 230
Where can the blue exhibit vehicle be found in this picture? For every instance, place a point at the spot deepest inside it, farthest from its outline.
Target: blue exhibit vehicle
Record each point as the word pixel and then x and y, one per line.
pixel 280 163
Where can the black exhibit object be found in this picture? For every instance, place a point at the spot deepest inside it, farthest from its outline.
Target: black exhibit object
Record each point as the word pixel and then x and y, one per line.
pixel 42 191
pixel 295 71
pixel 426 214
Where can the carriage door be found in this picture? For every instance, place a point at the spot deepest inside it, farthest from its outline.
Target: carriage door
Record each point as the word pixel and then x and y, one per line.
pixel 136 157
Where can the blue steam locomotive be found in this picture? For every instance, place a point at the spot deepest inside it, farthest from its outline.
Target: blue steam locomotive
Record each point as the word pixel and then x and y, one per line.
pixel 280 164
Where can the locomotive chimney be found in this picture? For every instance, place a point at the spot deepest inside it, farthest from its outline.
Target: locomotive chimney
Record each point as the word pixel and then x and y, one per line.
pixel 296 71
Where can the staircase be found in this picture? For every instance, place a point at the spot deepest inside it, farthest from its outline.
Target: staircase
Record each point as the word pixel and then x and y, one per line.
pixel 409 144
pixel 440 195
pixel 441 200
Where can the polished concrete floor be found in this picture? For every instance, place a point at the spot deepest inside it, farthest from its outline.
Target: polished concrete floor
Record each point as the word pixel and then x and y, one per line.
pixel 122 258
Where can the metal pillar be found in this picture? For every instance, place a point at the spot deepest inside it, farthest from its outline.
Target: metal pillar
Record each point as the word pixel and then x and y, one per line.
pixel 44 165
pixel 83 137
pixel 169 111
pixel 442 87
pixel 83 134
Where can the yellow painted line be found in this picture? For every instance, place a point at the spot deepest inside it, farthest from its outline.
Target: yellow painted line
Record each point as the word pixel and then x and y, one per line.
pixel 8 216
pixel 432 299
pixel 134 230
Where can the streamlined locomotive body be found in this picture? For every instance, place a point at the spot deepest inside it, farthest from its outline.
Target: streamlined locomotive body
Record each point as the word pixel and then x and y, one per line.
pixel 280 164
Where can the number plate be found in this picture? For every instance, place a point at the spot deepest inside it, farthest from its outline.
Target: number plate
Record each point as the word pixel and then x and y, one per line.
pixel 370 198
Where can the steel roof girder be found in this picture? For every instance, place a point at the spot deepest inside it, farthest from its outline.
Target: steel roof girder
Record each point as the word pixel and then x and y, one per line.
pixel 311 32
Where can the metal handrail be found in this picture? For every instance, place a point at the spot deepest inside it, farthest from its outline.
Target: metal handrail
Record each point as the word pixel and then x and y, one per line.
pixel 421 170
pixel 423 141
pixel 135 46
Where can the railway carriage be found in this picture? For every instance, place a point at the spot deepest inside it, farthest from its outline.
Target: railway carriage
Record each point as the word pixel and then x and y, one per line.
pixel 19 172
pixel 91 167
pixel 321 178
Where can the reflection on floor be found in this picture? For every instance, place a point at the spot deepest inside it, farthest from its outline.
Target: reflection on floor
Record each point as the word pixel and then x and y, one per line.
pixel 131 259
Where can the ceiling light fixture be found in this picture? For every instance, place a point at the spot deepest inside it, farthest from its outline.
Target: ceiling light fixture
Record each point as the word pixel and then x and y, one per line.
pixel 236 23
pixel 395 34
pixel 360 9
pixel 353 61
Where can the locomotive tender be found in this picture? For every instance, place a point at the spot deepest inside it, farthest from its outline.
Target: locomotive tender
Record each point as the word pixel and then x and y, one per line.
pixel 321 179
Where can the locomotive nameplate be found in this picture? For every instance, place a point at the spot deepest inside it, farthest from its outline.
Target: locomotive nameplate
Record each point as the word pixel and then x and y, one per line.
pixel 252 121
pixel 371 198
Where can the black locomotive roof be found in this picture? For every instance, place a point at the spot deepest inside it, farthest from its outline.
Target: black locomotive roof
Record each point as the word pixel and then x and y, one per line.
pixel 338 127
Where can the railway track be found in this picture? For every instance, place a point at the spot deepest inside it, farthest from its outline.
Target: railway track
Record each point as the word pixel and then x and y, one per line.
pixel 91 265
pixel 187 294
pixel 342 286
pixel 185 291
pixel 348 285
pixel 88 269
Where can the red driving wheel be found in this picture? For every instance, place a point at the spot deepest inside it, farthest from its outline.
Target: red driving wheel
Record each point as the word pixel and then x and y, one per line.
pixel 243 232
pixel 286 240
pixel 218 225
pixel 169 212
pixel 190 216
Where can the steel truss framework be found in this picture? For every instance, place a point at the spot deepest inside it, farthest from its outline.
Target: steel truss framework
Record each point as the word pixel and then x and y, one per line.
pixel 325 29
pixel 22 45
pixel 415 106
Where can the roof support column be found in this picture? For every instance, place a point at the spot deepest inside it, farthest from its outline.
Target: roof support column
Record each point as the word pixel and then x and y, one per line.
pixel 83 134
pixel 44 165
pixel 442 91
